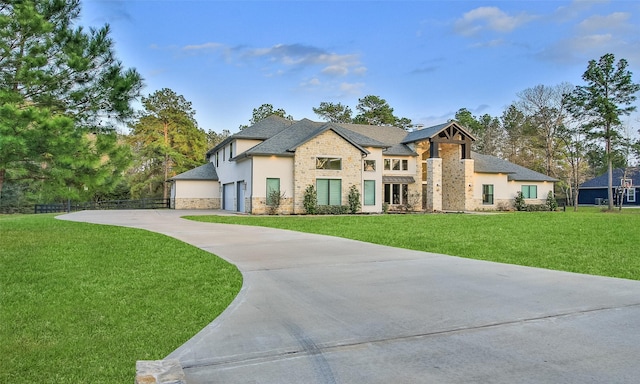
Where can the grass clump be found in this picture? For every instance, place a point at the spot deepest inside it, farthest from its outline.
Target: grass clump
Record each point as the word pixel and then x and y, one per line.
pixel 80 303
pixel 587 241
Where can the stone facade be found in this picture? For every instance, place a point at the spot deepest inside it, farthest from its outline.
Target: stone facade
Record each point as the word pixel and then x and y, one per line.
pixel 327 144
pixel 195 203
pixel 434 185
pixel 259 206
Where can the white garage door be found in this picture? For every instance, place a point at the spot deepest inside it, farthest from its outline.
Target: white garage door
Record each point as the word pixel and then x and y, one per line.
pixel 228 195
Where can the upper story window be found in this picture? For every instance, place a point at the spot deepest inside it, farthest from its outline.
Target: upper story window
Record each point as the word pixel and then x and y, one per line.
pixel 230 151
pixel 369 165
pixel 396 165
pixel 333 163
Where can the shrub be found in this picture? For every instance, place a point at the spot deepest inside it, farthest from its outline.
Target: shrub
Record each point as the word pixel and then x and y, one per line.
pixel 333 209
pixel 310 201
pixel 519 202
pixel 354 199
pixel 537 207
pixel 274 199
pixel 552 204
pixel 385 207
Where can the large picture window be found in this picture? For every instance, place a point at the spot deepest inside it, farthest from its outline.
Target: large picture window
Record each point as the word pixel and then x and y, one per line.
pixel 369 192
pixel 530 191
pixel 334 163
pixel 329 191
pixel 396 194
pixel 487 193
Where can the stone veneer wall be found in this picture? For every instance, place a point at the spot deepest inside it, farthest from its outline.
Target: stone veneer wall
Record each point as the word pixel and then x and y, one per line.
pixel 468 166
pixel 259 206
pixel 195 203
pixel 452 178
pixel 434 184
pixel 327 144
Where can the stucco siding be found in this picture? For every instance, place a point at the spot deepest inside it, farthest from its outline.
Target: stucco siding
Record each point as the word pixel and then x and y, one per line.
pixel 265 167
pixel 195 194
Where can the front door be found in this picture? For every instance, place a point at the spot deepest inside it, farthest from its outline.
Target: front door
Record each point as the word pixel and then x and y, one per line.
pixel 240 185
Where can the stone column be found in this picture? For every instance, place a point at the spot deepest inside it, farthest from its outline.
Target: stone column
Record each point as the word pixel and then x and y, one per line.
pixel 468 167
pixel 434 184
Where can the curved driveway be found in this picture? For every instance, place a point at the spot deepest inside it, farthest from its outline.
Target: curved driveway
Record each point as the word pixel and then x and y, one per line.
pixel 318 309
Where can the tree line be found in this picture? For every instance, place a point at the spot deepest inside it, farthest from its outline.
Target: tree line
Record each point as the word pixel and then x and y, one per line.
pixel 63 94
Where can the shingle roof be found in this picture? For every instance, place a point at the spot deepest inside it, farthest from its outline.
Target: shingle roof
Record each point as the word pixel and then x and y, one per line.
pixel 286 141
pixel 492 164
pixel 602 181
pixel 262 130
pixel 388 135
pixel 203 172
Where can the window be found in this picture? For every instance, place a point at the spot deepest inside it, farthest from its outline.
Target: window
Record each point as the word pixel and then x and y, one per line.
pixel 329 191
pixel 396 165
pixel 369 192
pixel 230 151
pixel 530 191
pixel 369 165
pixel 631 195
pixel 487 193
pixel 217 159
pixel 396 193
pixel 333 163
pixel 273 186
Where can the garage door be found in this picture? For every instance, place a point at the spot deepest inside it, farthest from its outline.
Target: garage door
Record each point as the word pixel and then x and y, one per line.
pixel 228 195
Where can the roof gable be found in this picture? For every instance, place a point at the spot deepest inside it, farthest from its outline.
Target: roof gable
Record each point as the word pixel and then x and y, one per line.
pixel 286 141
pixel 440 130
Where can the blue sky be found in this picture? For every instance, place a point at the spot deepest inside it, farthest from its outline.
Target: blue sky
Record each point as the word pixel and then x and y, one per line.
pixel 426 58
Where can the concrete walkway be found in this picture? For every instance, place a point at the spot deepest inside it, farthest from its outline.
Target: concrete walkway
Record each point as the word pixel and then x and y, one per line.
pixel 317 309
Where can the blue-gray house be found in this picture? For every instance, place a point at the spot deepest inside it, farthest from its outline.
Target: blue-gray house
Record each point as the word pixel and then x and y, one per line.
pixel 594 191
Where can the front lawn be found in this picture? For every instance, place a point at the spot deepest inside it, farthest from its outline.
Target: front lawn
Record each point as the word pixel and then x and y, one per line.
pixel 80 303
pixel 588 241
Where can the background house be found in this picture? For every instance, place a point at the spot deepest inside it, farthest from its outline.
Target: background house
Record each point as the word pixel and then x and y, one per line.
pixel 431 169
pixel 594 191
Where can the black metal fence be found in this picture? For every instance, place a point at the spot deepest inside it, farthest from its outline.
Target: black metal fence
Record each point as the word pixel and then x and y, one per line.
pixel 106 204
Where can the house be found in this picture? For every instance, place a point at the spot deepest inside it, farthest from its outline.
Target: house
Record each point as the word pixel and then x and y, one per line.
pixel 594 191
pixel 430 169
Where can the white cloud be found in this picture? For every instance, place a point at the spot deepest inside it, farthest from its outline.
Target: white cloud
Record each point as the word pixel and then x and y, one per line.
pixel 615 20
pixel 203 47
pixel 352 88
pixel 489 18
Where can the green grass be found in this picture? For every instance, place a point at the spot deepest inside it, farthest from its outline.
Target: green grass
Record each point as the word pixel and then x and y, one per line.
pixel 80 303
pixel 588 241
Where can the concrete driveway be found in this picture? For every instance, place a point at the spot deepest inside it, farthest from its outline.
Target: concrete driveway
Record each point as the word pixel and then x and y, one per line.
pixel 317 309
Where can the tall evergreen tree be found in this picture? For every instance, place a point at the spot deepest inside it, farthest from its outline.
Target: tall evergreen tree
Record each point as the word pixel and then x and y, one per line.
pixel 608 95
pixel 264 111
pixel 335 113
pixel 166 140
pixel 62 91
